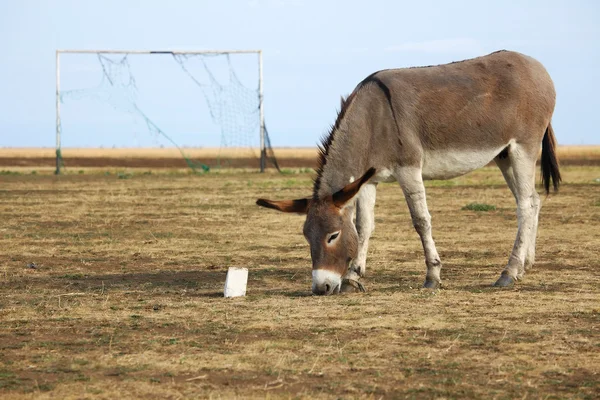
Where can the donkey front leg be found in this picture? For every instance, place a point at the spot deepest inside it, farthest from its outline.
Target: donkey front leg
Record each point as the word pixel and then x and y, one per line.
pixel 365 224
pixel 411 181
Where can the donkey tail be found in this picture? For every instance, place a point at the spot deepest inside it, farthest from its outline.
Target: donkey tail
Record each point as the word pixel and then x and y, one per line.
pixel 549 161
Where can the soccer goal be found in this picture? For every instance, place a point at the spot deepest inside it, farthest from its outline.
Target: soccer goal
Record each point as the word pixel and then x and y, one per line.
pixel 181 100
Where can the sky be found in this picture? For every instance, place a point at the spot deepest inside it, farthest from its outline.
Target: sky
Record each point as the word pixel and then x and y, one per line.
pixel 313 53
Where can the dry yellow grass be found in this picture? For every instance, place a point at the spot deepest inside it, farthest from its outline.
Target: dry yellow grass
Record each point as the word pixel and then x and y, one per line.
pixel 126 302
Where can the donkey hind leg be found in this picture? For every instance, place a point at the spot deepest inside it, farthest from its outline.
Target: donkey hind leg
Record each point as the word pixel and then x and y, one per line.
pixel 504 163
pixel 530 256
pixel 519 171
pixel 365 223
pixel 411 181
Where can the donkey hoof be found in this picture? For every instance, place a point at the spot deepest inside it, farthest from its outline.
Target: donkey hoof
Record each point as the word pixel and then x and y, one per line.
pixel 505 280
pixel 352 286
pixel 431 284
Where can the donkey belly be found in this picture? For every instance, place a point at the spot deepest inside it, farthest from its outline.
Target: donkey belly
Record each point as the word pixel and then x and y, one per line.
pixel 447 164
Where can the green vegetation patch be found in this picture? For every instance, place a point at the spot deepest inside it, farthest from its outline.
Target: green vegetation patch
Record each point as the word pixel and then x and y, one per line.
pixel 479 207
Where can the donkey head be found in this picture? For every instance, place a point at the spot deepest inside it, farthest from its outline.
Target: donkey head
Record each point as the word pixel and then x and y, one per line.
pixel 330 232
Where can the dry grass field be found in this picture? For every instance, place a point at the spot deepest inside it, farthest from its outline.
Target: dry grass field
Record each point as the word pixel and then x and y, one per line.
pixel 124 299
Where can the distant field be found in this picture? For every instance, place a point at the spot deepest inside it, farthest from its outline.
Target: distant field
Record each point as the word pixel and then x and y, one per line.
pixel 296 152
pixel 154 157
pixel 226 158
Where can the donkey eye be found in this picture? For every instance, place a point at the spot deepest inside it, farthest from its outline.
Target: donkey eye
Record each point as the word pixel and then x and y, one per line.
pixel 333 236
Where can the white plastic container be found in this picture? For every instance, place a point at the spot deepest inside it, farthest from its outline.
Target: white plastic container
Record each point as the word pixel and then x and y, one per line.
pixel 236 281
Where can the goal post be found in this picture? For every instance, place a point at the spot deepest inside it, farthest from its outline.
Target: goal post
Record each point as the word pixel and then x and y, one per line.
pixel 180 57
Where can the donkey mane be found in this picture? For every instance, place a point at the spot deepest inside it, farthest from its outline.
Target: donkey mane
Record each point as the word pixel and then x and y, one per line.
pixel 327 140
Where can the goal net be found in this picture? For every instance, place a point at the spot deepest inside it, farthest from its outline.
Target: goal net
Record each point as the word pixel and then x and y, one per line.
pixel 203 109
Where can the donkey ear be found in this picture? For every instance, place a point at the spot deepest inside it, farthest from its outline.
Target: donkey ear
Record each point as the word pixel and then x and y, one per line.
pixel 299 206
pixel 344 195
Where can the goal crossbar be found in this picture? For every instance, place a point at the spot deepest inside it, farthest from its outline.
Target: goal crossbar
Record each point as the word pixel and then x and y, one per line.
pixel 158 51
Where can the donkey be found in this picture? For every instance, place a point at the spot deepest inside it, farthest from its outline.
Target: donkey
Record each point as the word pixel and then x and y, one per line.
pixel 435 122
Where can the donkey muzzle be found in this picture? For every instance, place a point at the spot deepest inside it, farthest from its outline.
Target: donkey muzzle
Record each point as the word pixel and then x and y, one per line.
pixel 326 282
